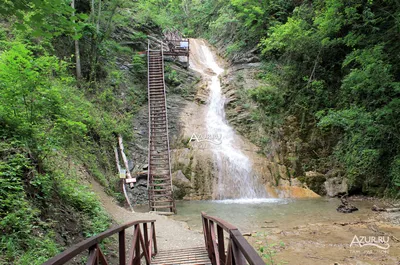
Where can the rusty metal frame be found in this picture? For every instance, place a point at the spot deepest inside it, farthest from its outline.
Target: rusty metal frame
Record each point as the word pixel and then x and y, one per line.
pixel 149 144
pixel 157 91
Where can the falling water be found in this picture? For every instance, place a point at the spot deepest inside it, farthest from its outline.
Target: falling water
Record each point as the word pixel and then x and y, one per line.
pixel 235 177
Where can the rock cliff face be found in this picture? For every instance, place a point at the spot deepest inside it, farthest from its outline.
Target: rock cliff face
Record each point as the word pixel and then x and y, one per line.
pixel 196 161
pixel 195 174
pixel 287 149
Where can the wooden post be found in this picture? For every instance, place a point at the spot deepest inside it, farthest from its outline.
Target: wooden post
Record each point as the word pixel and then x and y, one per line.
pixel 123 183
pixel 122 255
pixel 128 173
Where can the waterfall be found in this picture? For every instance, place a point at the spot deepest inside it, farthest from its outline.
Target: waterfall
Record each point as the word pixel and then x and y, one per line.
pixel 234 169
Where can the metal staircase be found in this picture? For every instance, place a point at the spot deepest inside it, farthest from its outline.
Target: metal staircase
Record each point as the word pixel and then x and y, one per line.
pixel 159 171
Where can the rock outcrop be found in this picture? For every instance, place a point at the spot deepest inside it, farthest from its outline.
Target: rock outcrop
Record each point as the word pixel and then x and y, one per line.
pixel 336 186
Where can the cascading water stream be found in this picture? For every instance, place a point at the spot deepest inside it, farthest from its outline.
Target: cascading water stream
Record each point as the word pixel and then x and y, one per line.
pixel 235 177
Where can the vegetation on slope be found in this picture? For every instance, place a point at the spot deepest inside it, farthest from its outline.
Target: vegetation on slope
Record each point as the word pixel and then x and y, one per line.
pixel 59 124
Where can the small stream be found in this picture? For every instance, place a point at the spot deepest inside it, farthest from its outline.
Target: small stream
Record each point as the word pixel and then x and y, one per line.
pixel 254 215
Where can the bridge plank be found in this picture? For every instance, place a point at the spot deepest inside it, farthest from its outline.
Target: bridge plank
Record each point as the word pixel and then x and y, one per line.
pixel 196 255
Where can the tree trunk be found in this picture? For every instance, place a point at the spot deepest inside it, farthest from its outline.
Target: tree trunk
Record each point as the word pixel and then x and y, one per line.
pixel 98 18
pixel 77 52
pixel 92 13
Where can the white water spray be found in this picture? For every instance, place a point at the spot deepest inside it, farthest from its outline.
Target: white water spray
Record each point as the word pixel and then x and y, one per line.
pixel 235 177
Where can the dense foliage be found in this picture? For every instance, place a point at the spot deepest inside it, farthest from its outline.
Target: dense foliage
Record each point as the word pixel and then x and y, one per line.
pixel 331 64
pixel 56 130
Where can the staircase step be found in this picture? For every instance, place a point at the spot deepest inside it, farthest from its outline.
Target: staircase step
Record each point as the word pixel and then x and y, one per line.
pixel 158 133
pixel 153 163
pixel 156 92
pixel 163 201
pixel 161 206
pixel 161 153
pixel 159 108
pixel 161 178
pixel 161 173
pixel 158 190
pixel 158 157
pixel 160 195
pixel 160 185
pixel 159 137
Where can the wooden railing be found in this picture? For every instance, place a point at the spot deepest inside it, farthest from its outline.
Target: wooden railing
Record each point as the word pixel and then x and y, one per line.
pixel 238 251
pixel 144 245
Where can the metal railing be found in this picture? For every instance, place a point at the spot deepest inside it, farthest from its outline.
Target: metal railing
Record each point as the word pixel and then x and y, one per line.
pixel 144 245
pixel 177 44
pixel 238 251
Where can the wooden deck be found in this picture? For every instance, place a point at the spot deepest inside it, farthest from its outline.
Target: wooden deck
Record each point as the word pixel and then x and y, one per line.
pixel 188 256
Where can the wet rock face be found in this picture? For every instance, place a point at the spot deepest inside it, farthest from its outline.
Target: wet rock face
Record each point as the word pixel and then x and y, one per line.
pixel 315 181
pixel 193 173
pixel 138 195
pixel 336 186
pixel 181 184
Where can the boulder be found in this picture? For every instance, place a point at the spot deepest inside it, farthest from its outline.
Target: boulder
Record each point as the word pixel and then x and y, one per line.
pixel 179 176
pixel 182 185
pixel 346 207
pixel 336 186
pixel 314 174
pixel 295 182
pixel 315 181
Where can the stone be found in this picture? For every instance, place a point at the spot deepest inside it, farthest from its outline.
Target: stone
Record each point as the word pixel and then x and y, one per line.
pixel 314 174
pixel 284 182
pixel 295 182
pixel 178 175
pixel 315 181
pixel 336 186
pixel 130 165
pixel 346 207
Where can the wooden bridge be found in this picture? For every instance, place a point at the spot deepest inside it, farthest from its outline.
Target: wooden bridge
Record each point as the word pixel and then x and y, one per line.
pixel 159 172
pixel 223 245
